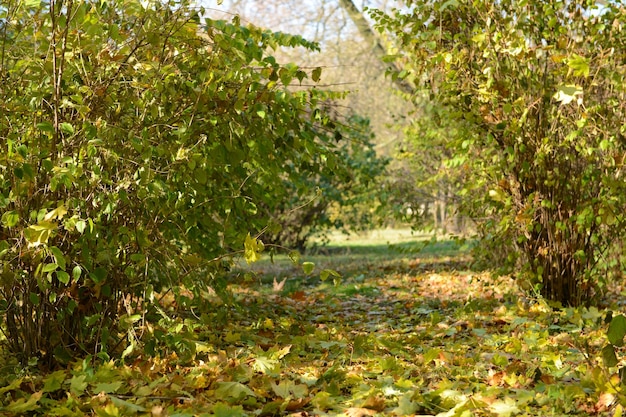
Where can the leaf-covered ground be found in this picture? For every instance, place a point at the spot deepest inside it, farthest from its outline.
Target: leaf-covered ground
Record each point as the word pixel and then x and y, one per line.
pixel 399 335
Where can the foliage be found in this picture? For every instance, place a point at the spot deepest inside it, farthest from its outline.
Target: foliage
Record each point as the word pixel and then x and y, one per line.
pixel 137 145
pixel 402 337
pixel 424 186
pixel 537 91
pixel 343 195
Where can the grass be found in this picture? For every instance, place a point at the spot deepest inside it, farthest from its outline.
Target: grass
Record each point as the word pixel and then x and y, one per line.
pixel 354 256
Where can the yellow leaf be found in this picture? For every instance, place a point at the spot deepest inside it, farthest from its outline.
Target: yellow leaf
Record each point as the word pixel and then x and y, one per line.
pixel 22 405
pixel 252 249
pixel 57 213
pixel 39 233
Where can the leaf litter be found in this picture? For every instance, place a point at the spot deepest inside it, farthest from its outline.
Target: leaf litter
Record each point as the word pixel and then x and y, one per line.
pixel 406 339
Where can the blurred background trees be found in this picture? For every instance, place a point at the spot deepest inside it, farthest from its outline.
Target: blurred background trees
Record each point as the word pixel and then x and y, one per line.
pixel 513 129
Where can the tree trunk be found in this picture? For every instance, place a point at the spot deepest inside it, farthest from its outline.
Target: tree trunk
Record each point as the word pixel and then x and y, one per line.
pixel 370 36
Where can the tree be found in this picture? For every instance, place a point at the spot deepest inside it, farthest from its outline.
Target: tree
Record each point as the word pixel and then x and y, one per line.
pixel 350 57
pixel 536 91
pixel 425 190
pixel 341 197
pixel 137 144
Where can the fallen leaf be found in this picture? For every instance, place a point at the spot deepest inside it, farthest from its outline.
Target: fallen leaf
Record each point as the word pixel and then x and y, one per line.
pixel 234 390
pixel 504 408
pixel 22 405
pixel 278 286
pixel 605 401
pixel 298 296
pixel 376 403
pixel 359 412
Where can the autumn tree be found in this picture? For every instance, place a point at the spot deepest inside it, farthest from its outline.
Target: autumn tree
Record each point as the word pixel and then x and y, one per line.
pixel 351 60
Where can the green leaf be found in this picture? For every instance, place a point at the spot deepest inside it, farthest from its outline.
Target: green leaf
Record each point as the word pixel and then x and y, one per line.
pixel 10 218
pixel 479 38
pixel 54 381
pixel 58 257
pixel 98 275
pixel 107 387
pixel 14 385
pixel 118 401
pixel 308 267
pixel 80 226
pixel 78 385
pixel 49 267
pixel 129 349
pixel 317 74
pixel 4 248
pixel 67 128
pixel 267 366
pixel 329 272
pixel 234 390
pixel 300 75
pixel 609 356
pixel 45 126
pixel 406 405
pixel 34 298
pixel 128 405
pixel 431 354
pixel 617 330
pixel 63 277
pixel 225 410
pixel 23 405
pixel 579 65
pixel 453 4
pixel 76 272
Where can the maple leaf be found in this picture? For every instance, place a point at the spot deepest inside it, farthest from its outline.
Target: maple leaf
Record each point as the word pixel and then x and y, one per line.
pixel 234 390
pixel 406 405
pixel 359 412
pixel 278 286
pixel 504 408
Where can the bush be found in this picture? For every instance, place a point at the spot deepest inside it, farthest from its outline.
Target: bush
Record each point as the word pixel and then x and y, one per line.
pixel 137 147
pixel 537 88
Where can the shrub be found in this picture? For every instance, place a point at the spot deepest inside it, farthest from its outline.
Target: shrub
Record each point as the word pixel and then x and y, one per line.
pixel 138 144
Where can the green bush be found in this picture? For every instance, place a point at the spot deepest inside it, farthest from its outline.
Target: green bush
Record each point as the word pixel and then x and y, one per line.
pixel 536 92
pixel 137 145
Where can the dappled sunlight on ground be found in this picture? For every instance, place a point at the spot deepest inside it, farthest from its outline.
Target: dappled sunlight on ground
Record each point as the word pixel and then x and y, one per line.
pixel 399 334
